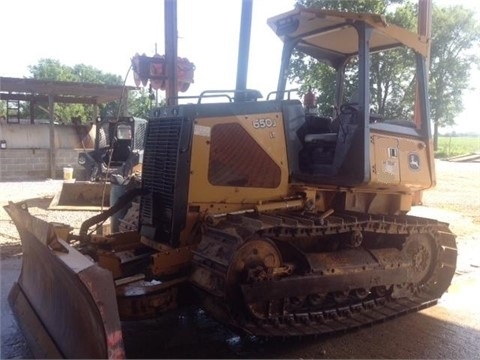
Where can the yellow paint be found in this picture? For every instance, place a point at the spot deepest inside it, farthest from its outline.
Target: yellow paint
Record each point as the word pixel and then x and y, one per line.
pixel 230 198
pixel 399 161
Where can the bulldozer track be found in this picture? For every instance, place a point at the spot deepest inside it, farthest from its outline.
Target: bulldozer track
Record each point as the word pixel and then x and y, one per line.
pixel 330 317
pixel 339 319
pixel 335 320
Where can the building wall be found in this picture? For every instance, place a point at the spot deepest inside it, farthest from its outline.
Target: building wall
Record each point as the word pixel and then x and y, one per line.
pixel 27 153
pixel 33 164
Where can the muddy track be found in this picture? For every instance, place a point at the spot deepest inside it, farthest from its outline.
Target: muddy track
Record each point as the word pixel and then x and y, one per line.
pixel 268 299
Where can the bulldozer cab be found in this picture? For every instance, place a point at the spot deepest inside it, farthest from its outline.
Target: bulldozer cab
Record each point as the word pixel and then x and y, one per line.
pixel 202 154
pixel 118 147
pixel 360 143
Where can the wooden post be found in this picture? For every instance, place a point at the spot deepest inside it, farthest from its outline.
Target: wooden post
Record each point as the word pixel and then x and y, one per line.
pixel 51 109
pixel 32 111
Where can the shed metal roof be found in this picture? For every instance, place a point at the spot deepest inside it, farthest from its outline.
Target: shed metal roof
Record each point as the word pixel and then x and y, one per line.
pixel 62 91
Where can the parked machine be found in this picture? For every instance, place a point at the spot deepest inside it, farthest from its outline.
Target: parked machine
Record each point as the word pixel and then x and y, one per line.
pixel 277 221
pixel 118 147
pixel 117 154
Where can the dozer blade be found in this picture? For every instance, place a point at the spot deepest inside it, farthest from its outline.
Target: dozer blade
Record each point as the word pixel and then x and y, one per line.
pixel 65 303
pixel 82 195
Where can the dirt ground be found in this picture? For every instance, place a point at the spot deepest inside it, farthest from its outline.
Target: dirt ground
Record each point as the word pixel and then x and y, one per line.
pixel 37 195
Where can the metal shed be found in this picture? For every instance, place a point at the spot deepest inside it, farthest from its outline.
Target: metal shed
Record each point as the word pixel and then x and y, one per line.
pixel 14 90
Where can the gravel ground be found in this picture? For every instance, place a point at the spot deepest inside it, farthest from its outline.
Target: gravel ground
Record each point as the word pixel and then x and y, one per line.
pixel 455 199
pixel 37 195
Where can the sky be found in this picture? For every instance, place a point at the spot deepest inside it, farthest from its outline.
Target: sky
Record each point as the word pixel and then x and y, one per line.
pixel 106 34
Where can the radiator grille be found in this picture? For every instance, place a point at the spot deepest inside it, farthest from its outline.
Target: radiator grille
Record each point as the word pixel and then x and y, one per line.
pixel 159 172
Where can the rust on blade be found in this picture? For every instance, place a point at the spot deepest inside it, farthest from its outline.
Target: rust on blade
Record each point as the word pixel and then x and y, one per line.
pixel 71 298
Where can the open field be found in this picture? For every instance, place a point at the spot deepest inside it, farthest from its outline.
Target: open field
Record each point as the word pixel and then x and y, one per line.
pixel 452 146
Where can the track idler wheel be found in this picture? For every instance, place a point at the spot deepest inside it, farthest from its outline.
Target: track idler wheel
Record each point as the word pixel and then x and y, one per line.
pixel 254 261
pixel 420 250
pixel 441 249
pixel 433 261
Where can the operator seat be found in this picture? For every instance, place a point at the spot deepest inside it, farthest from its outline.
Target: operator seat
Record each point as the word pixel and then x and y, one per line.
pixel 318 142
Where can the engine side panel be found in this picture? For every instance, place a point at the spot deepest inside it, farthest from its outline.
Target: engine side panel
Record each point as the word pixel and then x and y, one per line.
pixel 399 161
pixel 238 157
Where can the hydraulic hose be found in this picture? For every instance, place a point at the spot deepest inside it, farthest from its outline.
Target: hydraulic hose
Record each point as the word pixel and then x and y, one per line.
pixel 122 201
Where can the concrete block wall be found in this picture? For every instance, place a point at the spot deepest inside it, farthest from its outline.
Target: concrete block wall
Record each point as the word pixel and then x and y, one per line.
pixel 33 164
pixel 23 164
pixel 68 157
pixel 27 154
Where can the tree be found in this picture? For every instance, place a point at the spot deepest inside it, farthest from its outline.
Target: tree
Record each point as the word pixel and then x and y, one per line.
pixel 455 32
pixel 52 69
pixel 392 88
pixel 141 102
pixel 371 6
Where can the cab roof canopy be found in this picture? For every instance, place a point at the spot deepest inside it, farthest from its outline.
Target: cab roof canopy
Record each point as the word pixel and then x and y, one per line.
pixel 330 36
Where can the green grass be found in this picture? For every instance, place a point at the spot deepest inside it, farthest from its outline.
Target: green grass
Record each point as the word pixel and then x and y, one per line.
pixel 449 146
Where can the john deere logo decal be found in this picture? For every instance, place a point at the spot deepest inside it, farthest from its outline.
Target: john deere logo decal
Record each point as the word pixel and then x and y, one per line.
pixel 413 161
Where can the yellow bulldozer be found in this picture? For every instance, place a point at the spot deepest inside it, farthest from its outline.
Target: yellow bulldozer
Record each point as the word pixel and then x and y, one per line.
pixel 277 220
